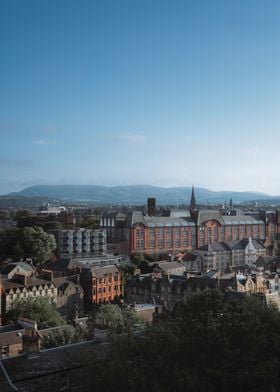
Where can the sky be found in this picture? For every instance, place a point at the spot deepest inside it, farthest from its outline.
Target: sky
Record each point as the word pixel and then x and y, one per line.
pixel 159 92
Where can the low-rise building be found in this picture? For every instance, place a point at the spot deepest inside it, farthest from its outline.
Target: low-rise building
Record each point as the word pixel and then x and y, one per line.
pixel 101 284
pixel 70 294
pixel 220 255
pixel 25 287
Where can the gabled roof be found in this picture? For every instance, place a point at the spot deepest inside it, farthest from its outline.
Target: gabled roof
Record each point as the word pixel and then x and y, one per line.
pixel 10 267
pixel 214 247
pixel 208 215
pixel 241 244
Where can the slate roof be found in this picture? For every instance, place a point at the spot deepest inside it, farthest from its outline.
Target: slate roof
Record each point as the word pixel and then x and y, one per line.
pixel 241 244
pixel 99 272
pixel 52 360
pixel 166 266
pixel 10 267
pixel 206 215
pixel 13 283
pixel 189 257
pixel 241 220
pixel 60 265
pixel 215 247
pixel 160 221
pixel 61 283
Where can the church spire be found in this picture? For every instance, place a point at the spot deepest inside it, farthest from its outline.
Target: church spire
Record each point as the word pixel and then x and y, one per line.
pixel 193 201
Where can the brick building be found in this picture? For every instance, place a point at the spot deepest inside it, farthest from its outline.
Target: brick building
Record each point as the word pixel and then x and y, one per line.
pixel 149 234
pixel 172 234
pixel 101 284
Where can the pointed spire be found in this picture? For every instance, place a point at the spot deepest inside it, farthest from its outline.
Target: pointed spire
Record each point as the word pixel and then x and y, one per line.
pixel 193 201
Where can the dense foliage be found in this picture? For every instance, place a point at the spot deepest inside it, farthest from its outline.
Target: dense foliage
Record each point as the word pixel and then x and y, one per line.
pixel 67 335
pixel 206 345
pixel 27 242
pixel 37 309
pixel 117 319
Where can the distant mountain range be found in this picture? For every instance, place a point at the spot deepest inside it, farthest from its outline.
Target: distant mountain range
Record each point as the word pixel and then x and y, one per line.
pixel 137 194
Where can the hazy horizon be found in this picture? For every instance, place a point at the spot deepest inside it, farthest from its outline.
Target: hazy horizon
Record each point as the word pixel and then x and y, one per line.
pixel 142 185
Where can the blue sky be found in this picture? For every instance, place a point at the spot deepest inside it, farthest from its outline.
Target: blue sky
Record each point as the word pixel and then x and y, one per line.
pixel 153 92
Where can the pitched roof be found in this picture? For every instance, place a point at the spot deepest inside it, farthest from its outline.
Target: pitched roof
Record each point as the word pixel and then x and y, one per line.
pixel 241 244
pixel 46 362
pixel 10 267
pixel 160 221
pixel 214 247
pixel 99 272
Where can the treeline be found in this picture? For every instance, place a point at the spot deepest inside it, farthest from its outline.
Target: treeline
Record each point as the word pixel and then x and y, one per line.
pixel 205 345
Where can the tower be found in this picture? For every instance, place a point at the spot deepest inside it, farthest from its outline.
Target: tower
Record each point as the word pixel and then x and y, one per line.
pixel 193 201
pixel 151 204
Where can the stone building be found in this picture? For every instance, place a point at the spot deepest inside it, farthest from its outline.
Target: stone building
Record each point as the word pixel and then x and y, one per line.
pixel 21 287
pixel 70 294
pixel 220 255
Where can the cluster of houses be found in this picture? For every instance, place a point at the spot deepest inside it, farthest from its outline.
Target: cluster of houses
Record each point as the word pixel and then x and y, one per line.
pixel 204 249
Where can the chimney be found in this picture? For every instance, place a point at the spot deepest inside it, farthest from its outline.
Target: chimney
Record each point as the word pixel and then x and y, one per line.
pixel 31 340
pixel 151 205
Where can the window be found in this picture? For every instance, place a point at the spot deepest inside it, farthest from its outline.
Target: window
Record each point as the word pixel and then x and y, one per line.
pixel 4 351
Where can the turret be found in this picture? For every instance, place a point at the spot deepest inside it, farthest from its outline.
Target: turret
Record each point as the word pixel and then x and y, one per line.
pixel 193 200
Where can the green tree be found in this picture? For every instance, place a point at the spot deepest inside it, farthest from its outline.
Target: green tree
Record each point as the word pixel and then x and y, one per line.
pixel 136 258
pixel 18 251
pixel 206 345
pixel 118 319
pixel 37 309
pixel 24 218
pixel 37 243
pixel 66 335
pixel 8 241
pixel 127 269
pixel 90 222
pixel 110 316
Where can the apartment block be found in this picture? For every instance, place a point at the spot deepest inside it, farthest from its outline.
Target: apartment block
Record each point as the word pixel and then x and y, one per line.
pixel 80 242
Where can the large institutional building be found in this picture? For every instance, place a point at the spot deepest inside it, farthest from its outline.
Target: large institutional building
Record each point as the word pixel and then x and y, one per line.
pixel 187 230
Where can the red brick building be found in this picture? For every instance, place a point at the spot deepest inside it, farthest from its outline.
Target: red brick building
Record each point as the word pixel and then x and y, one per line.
pixel 160 234
pixel 101 284
pixel 172 234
